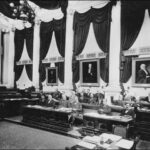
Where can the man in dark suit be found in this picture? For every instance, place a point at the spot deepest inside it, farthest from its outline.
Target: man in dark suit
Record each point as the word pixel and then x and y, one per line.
pixel 52 76
pixel 143 75
pixel 90 75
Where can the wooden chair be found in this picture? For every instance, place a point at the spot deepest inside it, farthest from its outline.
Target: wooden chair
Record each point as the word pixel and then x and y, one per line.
pixel 121 130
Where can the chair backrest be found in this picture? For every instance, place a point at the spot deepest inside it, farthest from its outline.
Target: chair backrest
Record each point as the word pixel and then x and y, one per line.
pixel 121 130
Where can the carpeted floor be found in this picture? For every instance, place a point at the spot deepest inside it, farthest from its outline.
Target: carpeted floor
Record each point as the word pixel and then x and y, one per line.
pixel 14 136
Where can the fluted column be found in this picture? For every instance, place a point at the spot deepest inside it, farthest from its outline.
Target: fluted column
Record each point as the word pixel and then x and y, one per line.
pixel 5 59
pixel 11 56
pixel 0 58
pixel 69 50
pixel 36 55
pixel 113 89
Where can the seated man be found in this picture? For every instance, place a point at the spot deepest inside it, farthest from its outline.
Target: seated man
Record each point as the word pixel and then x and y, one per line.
pixel 57 95
pixel 42 99
pixel 129 111
pixel 51 102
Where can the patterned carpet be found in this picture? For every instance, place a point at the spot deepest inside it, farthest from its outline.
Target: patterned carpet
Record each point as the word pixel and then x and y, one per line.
pixel 13 136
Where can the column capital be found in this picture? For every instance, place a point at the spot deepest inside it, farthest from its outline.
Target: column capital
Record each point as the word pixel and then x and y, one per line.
pixel 70 12
pixel 37 21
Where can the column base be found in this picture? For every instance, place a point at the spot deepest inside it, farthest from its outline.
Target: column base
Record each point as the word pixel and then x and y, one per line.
pixel 112 92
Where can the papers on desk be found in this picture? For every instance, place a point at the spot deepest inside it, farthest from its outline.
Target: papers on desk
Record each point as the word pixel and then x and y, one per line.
pixel 87 145
pixel 92 139
pixel 107 139
pixel 126 144
pixel 111 137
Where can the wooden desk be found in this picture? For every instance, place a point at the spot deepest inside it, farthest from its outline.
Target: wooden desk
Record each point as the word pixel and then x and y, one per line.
pixel 47 117
pixel 142 122
pixel 13 106
pixel 98 123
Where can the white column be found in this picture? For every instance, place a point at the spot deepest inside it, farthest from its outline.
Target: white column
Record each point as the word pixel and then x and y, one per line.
pixel 11 55
pixel 0 58
pixel 5 59
pixel 69 50
pixel 36 55
pixel 113 89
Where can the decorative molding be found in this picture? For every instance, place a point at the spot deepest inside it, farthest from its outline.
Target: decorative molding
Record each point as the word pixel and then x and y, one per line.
pixel 137 51
pixel 53 59
pixel 24 62
pixel 91 56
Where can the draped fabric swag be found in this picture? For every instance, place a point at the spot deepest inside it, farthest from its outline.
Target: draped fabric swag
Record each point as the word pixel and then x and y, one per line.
pixel 45 4
pixel 101 23
pixel 20 36
pixel 132 16
pixel 46 30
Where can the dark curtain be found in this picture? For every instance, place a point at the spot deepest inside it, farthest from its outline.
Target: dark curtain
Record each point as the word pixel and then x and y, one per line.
pixel 43 71
pixel 104 70
pixel 46 30
pixel 127 69
pixel 59 28
pixel 81 26
pixel 29 41
pixel 60 35
pixel 29 68
pixel 18 71
pixel 20 35
pixel 60 66
pixel 132 16
pixel 101 24
pixel 19 42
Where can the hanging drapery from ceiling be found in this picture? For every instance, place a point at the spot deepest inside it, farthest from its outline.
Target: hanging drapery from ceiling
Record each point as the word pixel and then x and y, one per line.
pixel 52 4
pixel 29 70
pixel 101 23
pixel 60 66
pixel 20 36
pixel 18 71
pixel 46 30
pixel 132 16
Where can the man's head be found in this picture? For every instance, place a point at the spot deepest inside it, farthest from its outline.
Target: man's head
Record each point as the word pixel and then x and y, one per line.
pixel 143 66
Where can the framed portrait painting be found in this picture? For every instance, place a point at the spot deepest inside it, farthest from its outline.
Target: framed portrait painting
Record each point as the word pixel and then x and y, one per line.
pixel 141 72
pixel 89 73
pixel 52 76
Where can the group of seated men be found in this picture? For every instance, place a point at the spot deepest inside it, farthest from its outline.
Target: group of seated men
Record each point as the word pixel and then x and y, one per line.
pixel 76 99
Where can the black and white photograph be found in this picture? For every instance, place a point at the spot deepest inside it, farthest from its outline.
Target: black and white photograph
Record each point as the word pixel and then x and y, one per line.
pixel 75 74
pixel 141 71
pixel 89 72
pixel 52 76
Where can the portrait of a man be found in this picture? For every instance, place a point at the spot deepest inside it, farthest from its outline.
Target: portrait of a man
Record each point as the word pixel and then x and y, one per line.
pixel 143 75
pixel 141 71
pixel 52 76
pixel 89 72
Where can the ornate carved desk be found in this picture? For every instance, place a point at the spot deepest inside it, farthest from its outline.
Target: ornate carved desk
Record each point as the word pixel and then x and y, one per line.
pixel 47 118
pixel 99 123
